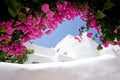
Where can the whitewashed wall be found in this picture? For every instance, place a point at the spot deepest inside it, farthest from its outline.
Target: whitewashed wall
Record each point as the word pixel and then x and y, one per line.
pixel 41 54
pixel 67 49
pixel 78 50
pixel 37 58
pixel 103 67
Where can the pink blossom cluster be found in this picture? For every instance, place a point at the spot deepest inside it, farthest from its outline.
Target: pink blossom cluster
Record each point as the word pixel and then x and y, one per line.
pixel 118 42
pixel 106 44
pixel 84 14
pixel 31 27
pixel 6 27
pixel 93 24
pixel 34 26
pixel 14 49
pixel 6 36
pixel 67 10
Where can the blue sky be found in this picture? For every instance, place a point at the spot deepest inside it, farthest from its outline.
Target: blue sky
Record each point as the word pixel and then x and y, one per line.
pixel 67 27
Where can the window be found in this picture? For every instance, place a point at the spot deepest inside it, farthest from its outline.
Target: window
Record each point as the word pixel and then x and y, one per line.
pixel 118 50
pixel 35 62
pixel 65 53
pixel 58 49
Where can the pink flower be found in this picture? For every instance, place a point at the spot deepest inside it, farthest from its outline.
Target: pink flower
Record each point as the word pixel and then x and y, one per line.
pixel 98 27
pixel 89 35
pixel 16 49
pixel 7 37
pixel 1 38
pixel 85 10
pixel 110 42
pixel 23 29
pixel 77 38
pixel 10 52
pixel 9 28
pixel 27 9
pixel 29 17
pixel 115 31
pixel 105 44
pixel 50 14
pixel 54 26
pixel 118 42
pixel 9 24
pixel 59 6
pixel 45 8
pixel 92 23
pixel 20 50
pixel 2 24
pixel 84 18
pixel 48 32
pixel 101 37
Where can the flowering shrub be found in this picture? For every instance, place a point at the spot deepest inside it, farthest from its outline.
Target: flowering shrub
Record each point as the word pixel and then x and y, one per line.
pixel 27 20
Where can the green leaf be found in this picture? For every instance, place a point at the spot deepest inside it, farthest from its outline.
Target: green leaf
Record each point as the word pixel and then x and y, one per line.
pixel 7 41
pixel 99 47
pixel 19 7
pixel 22 16
pixel 93 38
pixel 108 4
pixel 100 14
pixel 62 1
pixel 37 1
pixel 12 7
pixel 96 35
pixel 119 21
pixel 118 27
pixel 2 30
pixel 12 12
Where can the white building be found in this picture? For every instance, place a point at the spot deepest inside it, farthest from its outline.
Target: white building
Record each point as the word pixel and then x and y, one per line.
pixel 41 54
pixel 75 49
pixel 66 50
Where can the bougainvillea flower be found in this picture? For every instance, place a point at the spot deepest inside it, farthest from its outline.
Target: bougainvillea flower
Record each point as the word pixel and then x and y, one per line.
pixel 115 31
pixel 45 8
pixel 89 35
pixel 27 9
pixel 48 32
pixel 77 38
